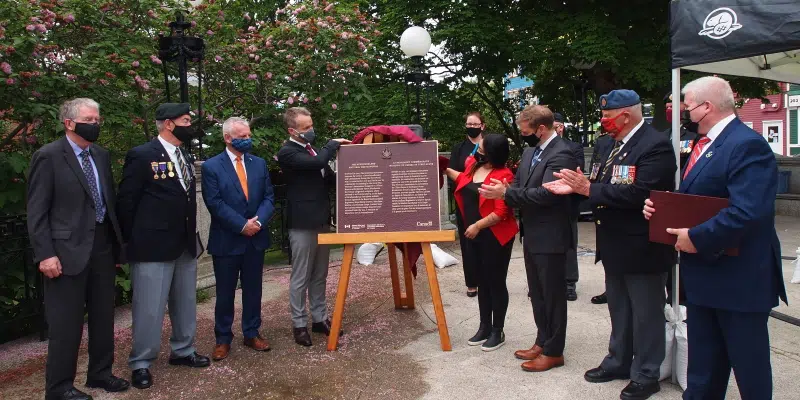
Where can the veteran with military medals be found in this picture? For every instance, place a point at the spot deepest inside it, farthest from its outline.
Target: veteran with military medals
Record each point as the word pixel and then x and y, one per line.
pixel 157 211
pixel 639 160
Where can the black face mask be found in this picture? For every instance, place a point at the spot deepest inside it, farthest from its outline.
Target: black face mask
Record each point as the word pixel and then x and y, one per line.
pixel 480 158
pixel 183 133
pixel 531 140
pixel 89 132
pixel 473 132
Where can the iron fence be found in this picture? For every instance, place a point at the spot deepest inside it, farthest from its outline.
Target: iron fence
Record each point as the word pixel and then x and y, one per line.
pixel 21 295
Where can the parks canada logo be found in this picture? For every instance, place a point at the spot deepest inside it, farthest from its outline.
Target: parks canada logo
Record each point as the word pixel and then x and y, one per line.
pixel 720 23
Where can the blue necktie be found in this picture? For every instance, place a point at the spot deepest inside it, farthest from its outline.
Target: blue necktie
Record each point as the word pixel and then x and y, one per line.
pixel 99 209
pixel 535 160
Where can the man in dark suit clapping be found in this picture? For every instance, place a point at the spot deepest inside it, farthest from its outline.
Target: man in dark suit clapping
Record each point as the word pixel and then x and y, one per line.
pixel 640 160
pixel 308 180
pixel 547 219
pixel 158 212
pixel 75 235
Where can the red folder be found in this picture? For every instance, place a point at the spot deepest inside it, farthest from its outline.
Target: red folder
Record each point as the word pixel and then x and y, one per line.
pixel 678 210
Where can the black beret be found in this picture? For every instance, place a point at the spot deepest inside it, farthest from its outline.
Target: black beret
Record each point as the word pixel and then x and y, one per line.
pixel 668 97
pixel 558 117
pixel 619 99
pixel 171 111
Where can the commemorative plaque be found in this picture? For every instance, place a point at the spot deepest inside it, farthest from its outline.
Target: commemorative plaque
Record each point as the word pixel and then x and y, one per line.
pixel 387 187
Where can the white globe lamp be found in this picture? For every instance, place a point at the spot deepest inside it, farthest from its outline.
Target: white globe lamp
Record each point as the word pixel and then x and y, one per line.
pixel 415 42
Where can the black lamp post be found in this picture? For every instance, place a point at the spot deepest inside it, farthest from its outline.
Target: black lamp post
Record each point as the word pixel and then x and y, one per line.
pixel 181 49
pixel 415 42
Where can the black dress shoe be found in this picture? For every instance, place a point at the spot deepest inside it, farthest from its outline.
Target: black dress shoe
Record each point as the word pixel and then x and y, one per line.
pixel 70 394
pixel 111 384
pixel 193 360
pixel 600 299
pixel 324 327
pixel 141 378
pixel 639 391
pixel 572 295
pixel 302 337
pixel 599 375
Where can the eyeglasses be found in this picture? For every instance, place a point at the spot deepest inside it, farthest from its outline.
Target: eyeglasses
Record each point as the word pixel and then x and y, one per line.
pixel 98 121
pixel 474 125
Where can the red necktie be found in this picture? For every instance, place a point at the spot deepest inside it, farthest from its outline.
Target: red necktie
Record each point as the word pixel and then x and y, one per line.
pixel 310 150
pixel 698 148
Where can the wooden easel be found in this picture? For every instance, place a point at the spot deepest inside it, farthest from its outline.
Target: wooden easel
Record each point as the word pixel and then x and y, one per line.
pixel 401 300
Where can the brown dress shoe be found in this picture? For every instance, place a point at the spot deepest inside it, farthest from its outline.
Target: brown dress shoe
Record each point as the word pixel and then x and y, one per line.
pixel 543 363
pixel 530 354
pixel 257 343
pixel 221 352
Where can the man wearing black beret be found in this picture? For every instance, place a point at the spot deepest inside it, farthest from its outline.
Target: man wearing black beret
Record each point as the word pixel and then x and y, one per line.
pixel 157 210
pixel 640 160
pixel 572 273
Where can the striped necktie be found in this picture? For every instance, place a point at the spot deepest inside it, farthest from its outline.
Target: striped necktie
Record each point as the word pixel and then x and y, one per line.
pixel 185 174
pixel 610 159
pixel 698 148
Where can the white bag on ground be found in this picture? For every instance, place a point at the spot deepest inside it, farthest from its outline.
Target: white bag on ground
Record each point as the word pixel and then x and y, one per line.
pixel 796 274
pixel 442 258
pixel 682 349
pixel 367 253
pixel 669 355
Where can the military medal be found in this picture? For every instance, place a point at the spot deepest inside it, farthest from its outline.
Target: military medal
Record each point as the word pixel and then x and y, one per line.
pixel 595 170
pixel 154 166
pixel 631 173
pixel 170 166
pixel 686 146
pixel 162 166
pixel 615 175
pixel 623 173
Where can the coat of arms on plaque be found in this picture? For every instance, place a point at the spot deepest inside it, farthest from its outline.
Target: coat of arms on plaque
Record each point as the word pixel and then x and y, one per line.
pixel 386 154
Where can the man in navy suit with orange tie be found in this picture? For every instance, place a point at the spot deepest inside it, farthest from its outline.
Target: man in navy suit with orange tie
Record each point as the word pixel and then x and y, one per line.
pixel 238 194
pixel 728 297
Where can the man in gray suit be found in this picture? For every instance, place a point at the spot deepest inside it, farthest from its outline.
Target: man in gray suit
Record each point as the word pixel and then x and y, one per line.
pixel 308 181
pixel 75 237
pixel 157 212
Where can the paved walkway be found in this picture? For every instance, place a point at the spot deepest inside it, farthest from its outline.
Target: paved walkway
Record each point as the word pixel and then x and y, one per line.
pixel 390 354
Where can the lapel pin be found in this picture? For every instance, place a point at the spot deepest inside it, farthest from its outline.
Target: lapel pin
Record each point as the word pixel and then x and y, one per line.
pixel 710 153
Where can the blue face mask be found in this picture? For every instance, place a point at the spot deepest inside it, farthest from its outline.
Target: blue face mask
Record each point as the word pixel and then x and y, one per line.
pixel 242 145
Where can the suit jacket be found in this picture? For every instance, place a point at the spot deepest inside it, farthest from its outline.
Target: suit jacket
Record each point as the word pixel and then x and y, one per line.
pixel 577 151
pixel 507 228
pixel 61 211
pixel 230 210
pixel 158 217
pixel 623 239
pixel 307 190
pixel 740 166
pixel 546 217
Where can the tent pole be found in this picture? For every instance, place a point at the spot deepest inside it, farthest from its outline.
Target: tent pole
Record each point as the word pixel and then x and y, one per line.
pixel 676 138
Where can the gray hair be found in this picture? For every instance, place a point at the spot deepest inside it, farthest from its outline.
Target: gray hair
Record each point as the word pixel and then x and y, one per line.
pixel 160 125
pixel 70 108
pixel 635 111
pixel 714 90
pixel 290 116
pixel 227 126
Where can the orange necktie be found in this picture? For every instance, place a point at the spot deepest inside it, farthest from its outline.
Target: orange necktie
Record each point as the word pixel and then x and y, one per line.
pixel 242 177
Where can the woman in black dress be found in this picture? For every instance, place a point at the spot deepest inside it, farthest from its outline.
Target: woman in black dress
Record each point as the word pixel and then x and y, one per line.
pixel 473 135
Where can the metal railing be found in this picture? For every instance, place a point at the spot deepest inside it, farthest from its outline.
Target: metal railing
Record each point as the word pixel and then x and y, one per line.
pixel 21 293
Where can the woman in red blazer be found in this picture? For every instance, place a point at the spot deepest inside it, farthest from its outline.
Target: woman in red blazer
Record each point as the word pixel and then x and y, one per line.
pixel 491 228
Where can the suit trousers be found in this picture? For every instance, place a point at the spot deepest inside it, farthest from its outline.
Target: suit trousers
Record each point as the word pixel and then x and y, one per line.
pixel 549 299
pixel 492 260
pixel 227 270
pixel 309 276
pixel 720 340
pixel 636 305
pixel 469 264
pixel 66 299
pixel 156 287
pixel 571 272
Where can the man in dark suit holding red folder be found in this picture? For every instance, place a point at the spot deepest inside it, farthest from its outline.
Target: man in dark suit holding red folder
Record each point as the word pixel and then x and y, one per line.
pixel 640 160
pixel 728 297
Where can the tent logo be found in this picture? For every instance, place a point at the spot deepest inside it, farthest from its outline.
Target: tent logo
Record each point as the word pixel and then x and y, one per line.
pixel 720 23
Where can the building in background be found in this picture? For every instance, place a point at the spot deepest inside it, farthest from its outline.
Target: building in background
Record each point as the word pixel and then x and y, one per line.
pixel 770 120
pixel 518 87
pixel 793 119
